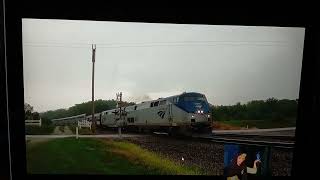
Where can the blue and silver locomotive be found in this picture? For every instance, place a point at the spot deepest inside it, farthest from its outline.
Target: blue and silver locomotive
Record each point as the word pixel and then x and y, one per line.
pixel 181 113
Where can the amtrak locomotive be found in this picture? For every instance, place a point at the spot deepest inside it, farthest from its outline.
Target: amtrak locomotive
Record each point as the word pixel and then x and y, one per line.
pixel 182 113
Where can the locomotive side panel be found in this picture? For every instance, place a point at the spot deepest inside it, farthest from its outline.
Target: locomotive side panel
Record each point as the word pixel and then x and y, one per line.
pixel 178 116
pixel 153 116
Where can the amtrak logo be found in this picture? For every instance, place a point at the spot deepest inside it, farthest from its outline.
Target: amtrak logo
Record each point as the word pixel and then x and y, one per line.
pixel 161 114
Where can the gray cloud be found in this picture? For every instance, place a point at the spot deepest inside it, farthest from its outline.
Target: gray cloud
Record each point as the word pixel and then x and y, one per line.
pixel 228 63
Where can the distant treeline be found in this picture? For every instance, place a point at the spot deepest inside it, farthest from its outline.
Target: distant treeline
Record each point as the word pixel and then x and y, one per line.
pixel 83 108
pixel 270 109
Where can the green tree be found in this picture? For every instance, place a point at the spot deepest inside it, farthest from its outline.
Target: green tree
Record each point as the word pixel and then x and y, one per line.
pixel 35 115
pixel 28 110
pixel 270 109
pixel 83 108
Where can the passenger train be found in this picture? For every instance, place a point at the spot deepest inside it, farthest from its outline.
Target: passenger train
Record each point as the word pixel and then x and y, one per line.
pixel 183 113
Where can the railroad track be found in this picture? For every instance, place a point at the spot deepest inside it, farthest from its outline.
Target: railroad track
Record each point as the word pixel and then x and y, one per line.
pixel 286 142
pixel 273 143
pixel 279 141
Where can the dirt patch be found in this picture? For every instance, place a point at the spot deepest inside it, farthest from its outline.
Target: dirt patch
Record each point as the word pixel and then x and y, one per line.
pixel 57 131
pixel 222 126
pixel 67 130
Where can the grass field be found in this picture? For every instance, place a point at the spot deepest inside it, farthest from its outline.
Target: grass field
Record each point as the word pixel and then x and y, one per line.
pixel 261 124
pixel 97 156
pixel 36 130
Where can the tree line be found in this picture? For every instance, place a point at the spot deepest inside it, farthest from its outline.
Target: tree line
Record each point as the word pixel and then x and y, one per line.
pixel 83 108
pixel 270 109
pixel 29 113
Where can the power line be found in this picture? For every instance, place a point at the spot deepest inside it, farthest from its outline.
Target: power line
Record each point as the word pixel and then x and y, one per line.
pixel 159 44
pixel 33 45
pixel 163 42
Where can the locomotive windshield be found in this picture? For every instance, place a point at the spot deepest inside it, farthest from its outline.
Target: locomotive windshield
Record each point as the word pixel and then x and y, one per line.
pixel 193 102
pixel 199 98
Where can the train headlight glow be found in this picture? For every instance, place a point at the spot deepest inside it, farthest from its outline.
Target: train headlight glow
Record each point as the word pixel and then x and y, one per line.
pixel 198 111
pixel 192 116
pixel 201 111
pixel 208 115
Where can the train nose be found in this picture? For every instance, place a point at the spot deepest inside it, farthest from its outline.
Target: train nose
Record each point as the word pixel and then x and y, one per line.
pixel 199 121
pixel 199 118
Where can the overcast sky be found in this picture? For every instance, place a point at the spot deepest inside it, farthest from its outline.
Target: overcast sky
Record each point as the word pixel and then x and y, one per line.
pixel 229 64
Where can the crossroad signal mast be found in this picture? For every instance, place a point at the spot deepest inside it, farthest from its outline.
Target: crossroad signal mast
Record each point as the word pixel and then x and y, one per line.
pixel 119 105
pixel 119 102
pixel 93 61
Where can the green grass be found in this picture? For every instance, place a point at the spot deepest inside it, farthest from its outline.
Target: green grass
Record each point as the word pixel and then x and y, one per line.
pixel 92 156
pixel 36 130
pixel 151 160
pixel 261 124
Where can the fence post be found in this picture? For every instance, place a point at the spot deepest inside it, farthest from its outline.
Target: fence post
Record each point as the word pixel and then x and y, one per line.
pixel 76 132
pixel 119 130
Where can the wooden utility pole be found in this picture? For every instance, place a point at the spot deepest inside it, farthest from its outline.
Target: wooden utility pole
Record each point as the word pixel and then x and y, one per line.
pixel 93 61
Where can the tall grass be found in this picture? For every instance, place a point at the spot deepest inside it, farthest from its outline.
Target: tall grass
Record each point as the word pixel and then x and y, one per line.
pixel 151 160
pixel 99 156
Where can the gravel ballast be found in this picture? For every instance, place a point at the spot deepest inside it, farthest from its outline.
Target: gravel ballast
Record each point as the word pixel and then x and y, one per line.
pixel 208 156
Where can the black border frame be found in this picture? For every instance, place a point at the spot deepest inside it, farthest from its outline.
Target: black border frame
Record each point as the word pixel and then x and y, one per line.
pixel 4 142
pixel 308 95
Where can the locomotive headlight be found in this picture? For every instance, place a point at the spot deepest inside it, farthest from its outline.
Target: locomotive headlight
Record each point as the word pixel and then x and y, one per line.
pixel 198 111
pixel 201 111
pixel 208 115
pixel 192 116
